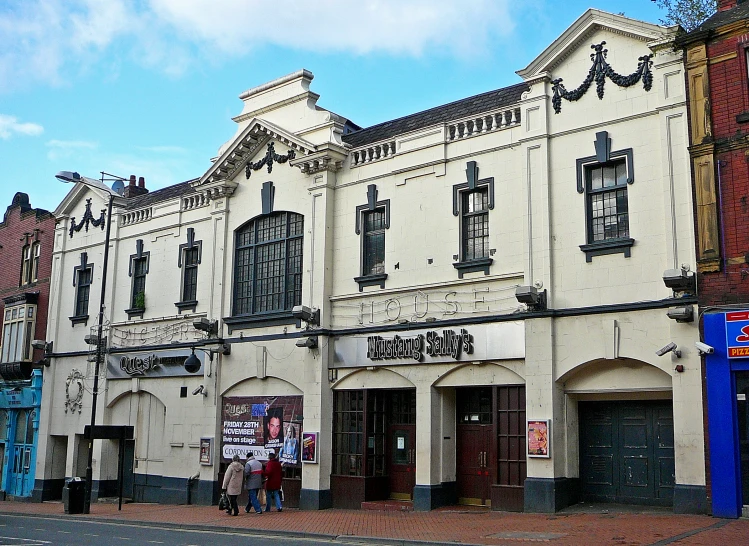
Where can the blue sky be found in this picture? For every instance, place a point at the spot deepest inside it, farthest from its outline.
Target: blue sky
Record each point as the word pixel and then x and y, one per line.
pixel 148 87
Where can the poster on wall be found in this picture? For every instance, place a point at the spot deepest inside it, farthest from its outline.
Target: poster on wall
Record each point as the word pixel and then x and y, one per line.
pixel 538 438
pixel 261 424
pixel 309 447
pixel 206 451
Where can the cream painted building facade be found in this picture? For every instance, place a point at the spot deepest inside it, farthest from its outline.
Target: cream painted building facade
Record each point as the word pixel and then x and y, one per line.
pixel 489 280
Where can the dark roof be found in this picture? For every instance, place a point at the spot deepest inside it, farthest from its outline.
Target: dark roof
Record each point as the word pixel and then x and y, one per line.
pixel 454 110
pixel 164 194
pixel 717 20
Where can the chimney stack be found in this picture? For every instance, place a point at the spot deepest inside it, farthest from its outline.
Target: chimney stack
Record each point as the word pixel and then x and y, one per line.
pixel 131 190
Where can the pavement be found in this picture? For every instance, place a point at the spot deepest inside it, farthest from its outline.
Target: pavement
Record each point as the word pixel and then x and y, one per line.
pixel 582 524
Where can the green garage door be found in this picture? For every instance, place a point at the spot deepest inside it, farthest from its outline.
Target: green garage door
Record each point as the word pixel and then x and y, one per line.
pixel 627 452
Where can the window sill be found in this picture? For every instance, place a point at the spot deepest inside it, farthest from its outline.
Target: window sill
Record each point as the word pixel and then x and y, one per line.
pixel 613 246
pixel 135 312
pixel 279 318
pixel 371 280
pixel 79 319
pixel 471 266
pixel 186 306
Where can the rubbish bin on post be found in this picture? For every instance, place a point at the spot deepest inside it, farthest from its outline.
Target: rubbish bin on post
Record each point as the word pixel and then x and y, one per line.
pixel 73 494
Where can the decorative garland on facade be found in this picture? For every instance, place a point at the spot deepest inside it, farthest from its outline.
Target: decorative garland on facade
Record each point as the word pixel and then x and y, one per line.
pixel 87 219
pixel 598 72
pixel 268 160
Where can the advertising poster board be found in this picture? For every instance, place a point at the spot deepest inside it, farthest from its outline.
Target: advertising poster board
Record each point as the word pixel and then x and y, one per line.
pixel 259 424
pixel 309 447
pixel 538 438
pixel 206 451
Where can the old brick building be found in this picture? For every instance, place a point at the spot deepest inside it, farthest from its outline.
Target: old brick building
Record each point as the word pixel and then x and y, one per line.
pixel 717 56
pixel 26 237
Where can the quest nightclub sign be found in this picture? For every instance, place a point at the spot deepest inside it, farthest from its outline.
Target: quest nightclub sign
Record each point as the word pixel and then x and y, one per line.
pixel 169 363
pixel 445 343
pixel 496 341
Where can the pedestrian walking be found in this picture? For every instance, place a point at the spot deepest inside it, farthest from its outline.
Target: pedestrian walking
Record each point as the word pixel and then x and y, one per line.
pixel 253 472
pixel 272 474
pixel 233 484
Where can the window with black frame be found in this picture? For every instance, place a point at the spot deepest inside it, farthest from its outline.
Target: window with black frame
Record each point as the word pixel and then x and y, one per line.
pixel 475 224
pixel 138 294
pixel 190 274
pixel 83 289
pixel 268 264
pixel 607 207
pixel 30 263
pixel 374 242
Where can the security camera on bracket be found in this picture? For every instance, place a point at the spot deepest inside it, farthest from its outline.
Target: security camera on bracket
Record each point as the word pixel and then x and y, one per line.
pixel 671 347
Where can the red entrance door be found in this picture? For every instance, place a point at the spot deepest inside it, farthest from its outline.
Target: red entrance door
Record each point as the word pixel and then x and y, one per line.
pixel 474 464
pixel 402 461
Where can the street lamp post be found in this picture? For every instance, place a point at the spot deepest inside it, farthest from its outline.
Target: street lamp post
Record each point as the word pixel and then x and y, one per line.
pixel 67 176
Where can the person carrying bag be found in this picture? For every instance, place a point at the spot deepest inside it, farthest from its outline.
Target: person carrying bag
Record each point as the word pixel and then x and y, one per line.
pixel 233 484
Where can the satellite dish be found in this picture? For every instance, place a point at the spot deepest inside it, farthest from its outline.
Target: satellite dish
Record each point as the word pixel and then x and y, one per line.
pixel 118 187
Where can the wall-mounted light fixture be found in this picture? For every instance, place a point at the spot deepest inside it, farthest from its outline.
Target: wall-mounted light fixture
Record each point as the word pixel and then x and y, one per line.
pixel 203 324
pixel 310 315
pixel 310 342
pixel 45 346
pixel 682 313
pixel 531 296
pixel 680 280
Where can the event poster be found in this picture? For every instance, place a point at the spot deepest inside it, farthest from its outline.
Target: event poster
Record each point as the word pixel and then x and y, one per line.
pixel 538 438
pixel 309 447
pixel 259 424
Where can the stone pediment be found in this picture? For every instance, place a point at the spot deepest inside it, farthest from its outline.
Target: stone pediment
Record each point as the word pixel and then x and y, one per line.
pixel 579 34
pixel 251 145
pixel 78 195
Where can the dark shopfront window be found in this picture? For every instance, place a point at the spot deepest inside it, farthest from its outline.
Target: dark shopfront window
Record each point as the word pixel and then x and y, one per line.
pixel 475 406
pixel 360 450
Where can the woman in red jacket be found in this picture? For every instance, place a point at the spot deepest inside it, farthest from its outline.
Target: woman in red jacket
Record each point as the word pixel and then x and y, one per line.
pixel 272 474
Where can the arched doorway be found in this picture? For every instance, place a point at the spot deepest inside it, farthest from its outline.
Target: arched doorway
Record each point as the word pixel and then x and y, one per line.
pixel 20 477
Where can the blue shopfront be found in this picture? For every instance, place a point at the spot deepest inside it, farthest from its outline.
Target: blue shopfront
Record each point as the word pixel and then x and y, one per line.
pixel 19 427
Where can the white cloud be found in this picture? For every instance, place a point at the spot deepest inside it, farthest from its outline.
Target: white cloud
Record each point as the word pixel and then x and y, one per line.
pixel 42 40
pixel 9 125
pixel 60 149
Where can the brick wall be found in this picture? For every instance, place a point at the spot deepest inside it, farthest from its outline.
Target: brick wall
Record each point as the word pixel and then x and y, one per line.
pixel 729 97
pixel 20 219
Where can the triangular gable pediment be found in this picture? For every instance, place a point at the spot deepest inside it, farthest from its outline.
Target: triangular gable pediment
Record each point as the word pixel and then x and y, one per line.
pixel 70 204
pixel 249 144
pixel 578 34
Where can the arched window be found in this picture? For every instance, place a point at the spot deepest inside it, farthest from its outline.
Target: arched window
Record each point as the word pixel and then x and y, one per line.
pixel 268 264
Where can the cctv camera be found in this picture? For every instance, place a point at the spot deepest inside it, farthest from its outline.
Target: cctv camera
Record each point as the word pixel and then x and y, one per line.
pixel 200 390
pixel 667 349
pixel 704 348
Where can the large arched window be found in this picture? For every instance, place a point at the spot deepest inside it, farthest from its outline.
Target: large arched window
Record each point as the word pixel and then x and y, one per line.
pixel 268 264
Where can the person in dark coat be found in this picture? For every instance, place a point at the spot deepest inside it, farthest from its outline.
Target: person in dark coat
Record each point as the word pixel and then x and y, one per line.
pixel 272 474
pixel 233 484
pixel 253 472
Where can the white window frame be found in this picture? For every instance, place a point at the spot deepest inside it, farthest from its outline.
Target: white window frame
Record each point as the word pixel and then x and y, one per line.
pixel 19 325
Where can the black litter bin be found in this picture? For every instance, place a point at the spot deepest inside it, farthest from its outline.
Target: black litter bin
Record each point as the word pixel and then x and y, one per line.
pixel 73 494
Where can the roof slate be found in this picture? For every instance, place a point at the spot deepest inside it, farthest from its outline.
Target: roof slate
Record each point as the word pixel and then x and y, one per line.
pixel 440 114
pixel 723 18
pixel 164 194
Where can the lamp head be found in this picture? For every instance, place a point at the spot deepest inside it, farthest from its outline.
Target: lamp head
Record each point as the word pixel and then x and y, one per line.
pixel 68 176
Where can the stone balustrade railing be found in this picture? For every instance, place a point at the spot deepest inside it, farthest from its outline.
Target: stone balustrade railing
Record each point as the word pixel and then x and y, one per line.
pixel 372 153
pixel 194 201
pixel 485 123
pixel 136 216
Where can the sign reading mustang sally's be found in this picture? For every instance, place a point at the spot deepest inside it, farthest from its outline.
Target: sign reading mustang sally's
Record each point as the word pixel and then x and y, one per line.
pixel 169 363
pixel 446 343
pixel 498 341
